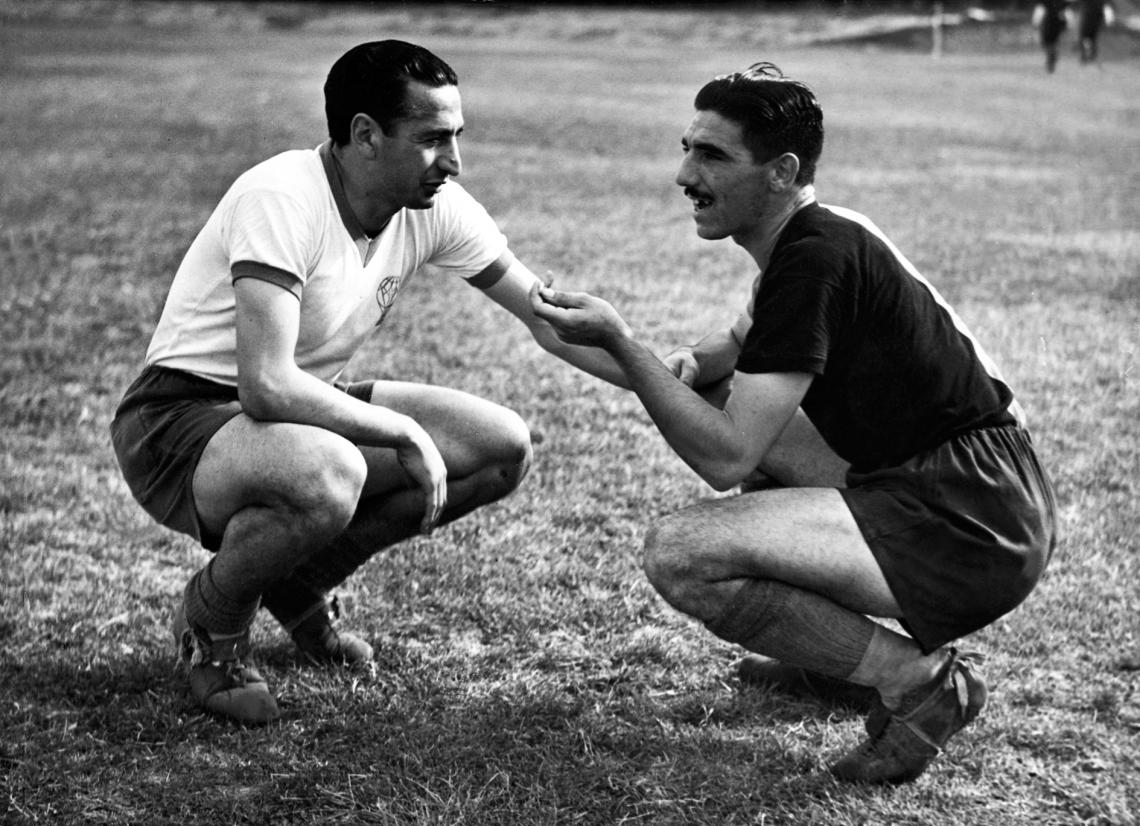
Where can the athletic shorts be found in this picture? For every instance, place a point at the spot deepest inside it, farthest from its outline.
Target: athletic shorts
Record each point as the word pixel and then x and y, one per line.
pixel 962 532
pixel 162 425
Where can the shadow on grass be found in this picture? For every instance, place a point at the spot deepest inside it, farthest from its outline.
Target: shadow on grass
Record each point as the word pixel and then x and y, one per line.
pixel 406 746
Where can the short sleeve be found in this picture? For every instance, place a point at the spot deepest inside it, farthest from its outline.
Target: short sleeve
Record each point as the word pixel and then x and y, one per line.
pixel 470 240
pixel 270 228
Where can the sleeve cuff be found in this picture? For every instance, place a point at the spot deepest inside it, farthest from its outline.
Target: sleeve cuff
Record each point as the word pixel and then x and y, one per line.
pixel 263 272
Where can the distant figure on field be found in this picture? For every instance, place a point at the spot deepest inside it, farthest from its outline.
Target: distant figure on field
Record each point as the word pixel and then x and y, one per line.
pixel 906 483
pixel 240 431
pixel 1092 16
pixel 1050 18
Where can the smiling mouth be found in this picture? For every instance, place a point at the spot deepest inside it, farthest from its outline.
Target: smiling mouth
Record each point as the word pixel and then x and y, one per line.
pixel 699 203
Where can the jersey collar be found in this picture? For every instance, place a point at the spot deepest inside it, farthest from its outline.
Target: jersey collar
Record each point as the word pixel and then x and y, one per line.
pixel 336 184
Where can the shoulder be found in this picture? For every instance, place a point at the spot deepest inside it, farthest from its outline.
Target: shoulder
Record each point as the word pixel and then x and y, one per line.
pixel 454 198
pixel 296 171
pixel 842 229
pixel 454 214
pixel 278 212
pixel 816 232
pixel 291 182
pixel 838 217
pixel 832 243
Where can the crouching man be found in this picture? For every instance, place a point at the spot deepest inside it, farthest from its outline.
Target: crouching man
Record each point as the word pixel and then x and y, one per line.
pixel 908 485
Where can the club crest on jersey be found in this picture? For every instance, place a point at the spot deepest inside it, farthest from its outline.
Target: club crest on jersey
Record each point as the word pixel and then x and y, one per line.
pixel 386 296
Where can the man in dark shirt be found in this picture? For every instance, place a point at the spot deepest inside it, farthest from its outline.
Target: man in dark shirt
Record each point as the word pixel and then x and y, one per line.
pixel 1050 18
pixel 908 486
pixel 1092 16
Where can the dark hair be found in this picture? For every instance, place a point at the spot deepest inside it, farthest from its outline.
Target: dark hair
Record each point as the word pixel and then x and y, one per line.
pixel 372 78
pixel 777 114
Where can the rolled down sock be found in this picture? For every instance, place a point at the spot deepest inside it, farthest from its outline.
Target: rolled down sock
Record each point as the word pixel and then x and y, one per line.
pixel 208 607
pixel 796 627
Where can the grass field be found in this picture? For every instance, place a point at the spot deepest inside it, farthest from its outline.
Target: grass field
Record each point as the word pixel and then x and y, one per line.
pixel 528 674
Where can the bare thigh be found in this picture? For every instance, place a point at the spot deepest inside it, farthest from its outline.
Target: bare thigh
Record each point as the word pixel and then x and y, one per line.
pixel 805 537
pixel 279 464
pixel 296 467
pixel 470 432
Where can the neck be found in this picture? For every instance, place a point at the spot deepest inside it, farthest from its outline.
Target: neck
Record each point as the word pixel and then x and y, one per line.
pixel 370 213
pixel 762 239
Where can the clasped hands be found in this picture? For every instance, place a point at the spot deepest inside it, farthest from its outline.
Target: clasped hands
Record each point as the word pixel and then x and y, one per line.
pixel 579 318
pixel 583 319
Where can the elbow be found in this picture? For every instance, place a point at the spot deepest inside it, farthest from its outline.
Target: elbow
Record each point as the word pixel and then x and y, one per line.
pixel 722 476
pixel 726 469
pixel 721 483
pixel 260 399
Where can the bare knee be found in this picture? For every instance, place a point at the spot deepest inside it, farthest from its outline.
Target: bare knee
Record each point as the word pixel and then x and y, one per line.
pixel 513 456
pixel 668 562
pixel 328 488
pixel 522 453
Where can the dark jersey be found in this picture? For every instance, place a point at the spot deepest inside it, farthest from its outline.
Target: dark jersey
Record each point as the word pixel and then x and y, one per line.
pixel 1053 19
pixel 895 370
pixel 1090 17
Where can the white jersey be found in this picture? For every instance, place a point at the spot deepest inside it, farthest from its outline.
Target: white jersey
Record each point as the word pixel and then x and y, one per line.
pixel 289 213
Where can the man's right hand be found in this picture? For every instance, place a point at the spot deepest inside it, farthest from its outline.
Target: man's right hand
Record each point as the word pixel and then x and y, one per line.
pixel 423 462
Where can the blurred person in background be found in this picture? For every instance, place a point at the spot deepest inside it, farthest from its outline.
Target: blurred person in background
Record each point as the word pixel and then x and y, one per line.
pixel 241 431
pixel 1050 18
pixel 897 477
pixel 1092 16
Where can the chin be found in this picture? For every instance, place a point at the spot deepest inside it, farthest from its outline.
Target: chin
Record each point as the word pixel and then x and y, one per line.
pixel 710 233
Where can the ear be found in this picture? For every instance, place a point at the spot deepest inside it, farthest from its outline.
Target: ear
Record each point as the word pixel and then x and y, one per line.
pixel 784 171
pixel 364 134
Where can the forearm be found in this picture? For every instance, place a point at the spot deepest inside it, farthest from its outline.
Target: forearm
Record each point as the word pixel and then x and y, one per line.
pixel 703 436
pixel 593 360
pixel 716 355
pixel 292 395
pixel 722 444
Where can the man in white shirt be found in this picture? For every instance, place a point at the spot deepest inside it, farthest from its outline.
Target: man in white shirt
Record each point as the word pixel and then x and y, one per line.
pixel 239 431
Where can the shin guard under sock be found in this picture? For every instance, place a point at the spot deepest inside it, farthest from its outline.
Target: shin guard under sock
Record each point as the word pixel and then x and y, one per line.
pixel 796 627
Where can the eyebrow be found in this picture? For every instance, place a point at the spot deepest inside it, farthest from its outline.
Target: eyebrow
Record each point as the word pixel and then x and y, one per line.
pixel 442 132
pixel 704 146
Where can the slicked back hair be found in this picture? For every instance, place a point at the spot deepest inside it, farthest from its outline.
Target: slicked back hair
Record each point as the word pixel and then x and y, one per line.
pixel 372 79
pixel 776 114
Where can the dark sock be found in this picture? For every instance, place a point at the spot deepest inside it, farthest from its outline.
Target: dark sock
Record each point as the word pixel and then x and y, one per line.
pixel 331 566
pixel 208 607
pixel 796 627
pixel 291 599
pixel 294 597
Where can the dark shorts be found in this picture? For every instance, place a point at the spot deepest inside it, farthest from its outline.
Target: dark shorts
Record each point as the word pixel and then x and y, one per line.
pixel 162 425
pixel 962 532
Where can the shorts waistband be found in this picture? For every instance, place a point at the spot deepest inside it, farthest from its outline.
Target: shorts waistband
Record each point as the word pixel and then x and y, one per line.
pixel 165 384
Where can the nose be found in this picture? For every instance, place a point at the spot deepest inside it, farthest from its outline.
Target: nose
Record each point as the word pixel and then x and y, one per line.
pixel 685 175
pixel 449 160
